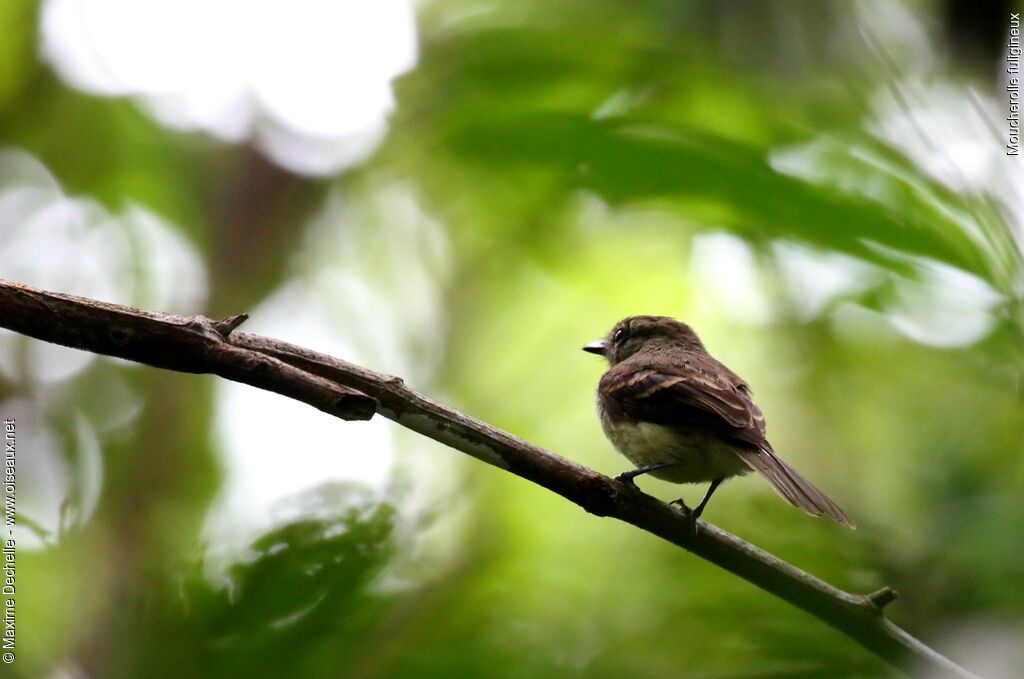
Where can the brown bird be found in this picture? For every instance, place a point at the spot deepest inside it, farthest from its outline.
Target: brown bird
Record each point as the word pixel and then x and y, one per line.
pixel 681 416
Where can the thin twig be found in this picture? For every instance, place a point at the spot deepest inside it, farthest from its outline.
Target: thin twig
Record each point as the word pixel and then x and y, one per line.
pixel 197 344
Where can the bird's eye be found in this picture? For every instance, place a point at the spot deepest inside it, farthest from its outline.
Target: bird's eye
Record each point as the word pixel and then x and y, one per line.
pixel 619 335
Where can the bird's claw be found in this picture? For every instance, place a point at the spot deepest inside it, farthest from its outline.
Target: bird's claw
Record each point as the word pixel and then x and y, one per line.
pixel 678 502
pixel 626 478
pixel 691 516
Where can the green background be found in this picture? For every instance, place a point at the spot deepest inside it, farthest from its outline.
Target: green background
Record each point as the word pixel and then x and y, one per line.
pixel 580 161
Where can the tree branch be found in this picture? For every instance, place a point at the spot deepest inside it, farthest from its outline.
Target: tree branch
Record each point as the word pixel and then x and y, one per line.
pixel 199 345
pixel 192 344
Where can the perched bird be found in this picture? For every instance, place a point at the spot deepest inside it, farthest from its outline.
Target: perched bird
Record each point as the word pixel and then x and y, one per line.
pixel 680 415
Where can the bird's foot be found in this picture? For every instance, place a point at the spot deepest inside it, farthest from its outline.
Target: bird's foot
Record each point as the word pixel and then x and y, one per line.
pixel 681 505
pixel 691 516
pixel 630 489
pixel 628 479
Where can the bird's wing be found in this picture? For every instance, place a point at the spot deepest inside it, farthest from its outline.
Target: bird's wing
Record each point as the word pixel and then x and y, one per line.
pixel 705 395
pixel 685 394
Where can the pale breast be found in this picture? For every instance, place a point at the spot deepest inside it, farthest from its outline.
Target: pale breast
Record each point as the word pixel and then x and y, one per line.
pixel 695 456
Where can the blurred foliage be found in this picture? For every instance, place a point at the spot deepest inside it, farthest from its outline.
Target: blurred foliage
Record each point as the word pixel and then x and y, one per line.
pixel 303 594
pixel 585 161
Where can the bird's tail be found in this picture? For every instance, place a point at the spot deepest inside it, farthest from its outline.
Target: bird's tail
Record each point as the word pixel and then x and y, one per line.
pixel 795 489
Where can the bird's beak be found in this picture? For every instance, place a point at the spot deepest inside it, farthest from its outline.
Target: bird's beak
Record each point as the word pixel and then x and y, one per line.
pixel 599 347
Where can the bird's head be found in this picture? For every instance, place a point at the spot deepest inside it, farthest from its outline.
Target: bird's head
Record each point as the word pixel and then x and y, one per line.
pixel 644 333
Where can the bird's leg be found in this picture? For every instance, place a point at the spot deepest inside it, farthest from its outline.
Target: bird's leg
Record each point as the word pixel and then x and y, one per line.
pixel 696 512
pixel 693 514
pixel 707 496
pixel 627 477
